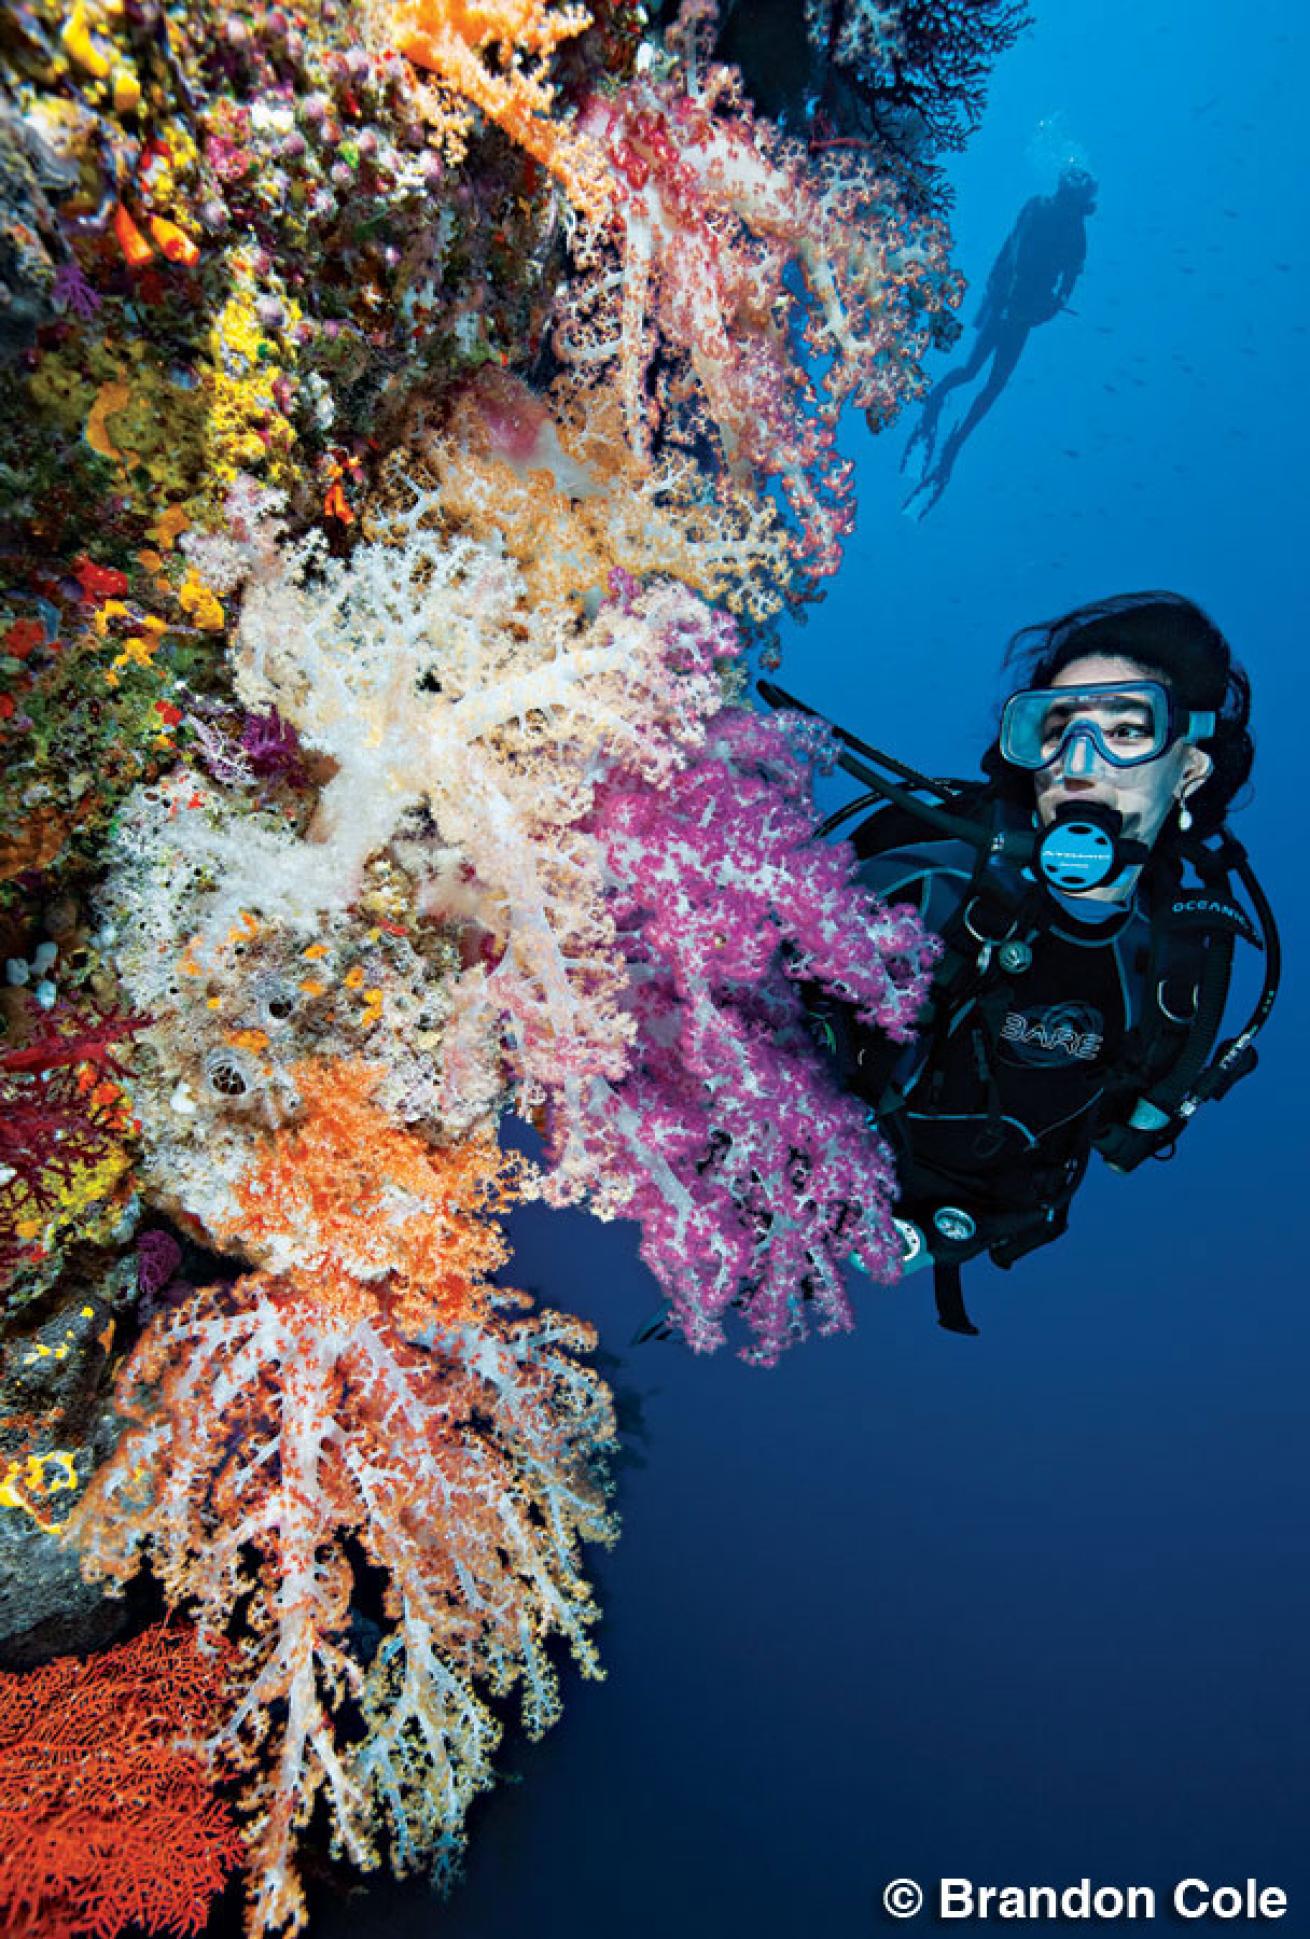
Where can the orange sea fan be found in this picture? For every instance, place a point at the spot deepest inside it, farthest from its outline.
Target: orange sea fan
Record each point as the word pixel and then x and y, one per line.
pixel 108 1817
pixel 343 1196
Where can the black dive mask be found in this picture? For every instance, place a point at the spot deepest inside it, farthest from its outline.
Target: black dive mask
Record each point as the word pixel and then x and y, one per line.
pixel 1085 847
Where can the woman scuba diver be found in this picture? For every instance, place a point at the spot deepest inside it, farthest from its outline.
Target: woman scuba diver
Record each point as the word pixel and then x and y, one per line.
pixel 1085 900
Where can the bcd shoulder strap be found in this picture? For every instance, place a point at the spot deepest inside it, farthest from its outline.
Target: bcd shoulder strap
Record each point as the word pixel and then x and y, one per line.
pixel 1194 933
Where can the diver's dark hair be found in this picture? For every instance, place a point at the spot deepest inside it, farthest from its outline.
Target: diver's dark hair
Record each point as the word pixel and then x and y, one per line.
pixel 1166 635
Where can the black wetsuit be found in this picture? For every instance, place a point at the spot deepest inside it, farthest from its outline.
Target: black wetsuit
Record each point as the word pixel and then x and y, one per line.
pixel 1026 1056
pixel 997 1103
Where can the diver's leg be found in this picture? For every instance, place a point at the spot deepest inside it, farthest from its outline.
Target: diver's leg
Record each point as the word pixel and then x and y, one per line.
pixel 935 480
pixel 1008 351
pixel 925 431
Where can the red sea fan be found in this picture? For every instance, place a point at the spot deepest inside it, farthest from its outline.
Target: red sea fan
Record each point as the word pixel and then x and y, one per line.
pixel 108 1817
pixel 66 1036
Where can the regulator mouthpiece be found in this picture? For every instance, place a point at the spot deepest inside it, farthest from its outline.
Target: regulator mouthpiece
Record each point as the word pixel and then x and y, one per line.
pixel 1084 848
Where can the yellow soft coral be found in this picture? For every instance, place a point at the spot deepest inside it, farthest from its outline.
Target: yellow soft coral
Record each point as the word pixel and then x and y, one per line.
pixel 201 603
pixel 563 492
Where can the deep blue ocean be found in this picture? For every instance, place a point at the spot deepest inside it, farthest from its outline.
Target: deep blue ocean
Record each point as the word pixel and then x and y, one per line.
pixel 1035 1606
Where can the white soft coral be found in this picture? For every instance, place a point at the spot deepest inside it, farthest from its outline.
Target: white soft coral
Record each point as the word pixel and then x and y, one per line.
pixel 422 671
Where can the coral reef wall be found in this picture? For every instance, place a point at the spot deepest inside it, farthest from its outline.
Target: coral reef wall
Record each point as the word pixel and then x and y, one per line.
pixel 419 417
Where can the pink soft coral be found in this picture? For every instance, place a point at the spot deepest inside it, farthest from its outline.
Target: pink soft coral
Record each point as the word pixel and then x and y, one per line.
pixel 752 1176
pixel 726 251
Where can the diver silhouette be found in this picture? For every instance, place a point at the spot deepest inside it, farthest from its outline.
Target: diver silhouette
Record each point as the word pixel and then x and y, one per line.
pixel 1031 281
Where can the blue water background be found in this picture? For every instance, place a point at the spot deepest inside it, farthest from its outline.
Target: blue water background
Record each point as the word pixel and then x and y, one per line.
pixel 1033 1606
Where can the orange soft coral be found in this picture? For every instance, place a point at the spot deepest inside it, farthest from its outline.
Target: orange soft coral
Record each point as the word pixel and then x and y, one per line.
pixel 343 1196
pixel 107 1815
pixel 370 1394
pixel 496 53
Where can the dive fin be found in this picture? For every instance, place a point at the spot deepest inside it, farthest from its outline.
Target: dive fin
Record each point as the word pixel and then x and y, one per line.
pixel 659 1326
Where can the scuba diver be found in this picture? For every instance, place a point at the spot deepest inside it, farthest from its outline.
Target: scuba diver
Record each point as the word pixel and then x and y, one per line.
pixel 1031 281
pixel 1084 894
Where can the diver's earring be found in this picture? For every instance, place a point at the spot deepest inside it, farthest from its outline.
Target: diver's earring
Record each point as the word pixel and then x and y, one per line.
pixel 1184 815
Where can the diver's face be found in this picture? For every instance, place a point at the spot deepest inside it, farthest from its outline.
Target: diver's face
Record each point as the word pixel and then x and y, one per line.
pixel 1080 190
pixel 1144 795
